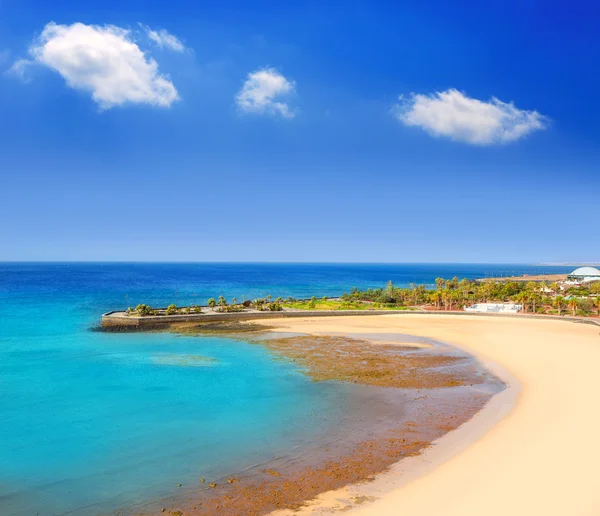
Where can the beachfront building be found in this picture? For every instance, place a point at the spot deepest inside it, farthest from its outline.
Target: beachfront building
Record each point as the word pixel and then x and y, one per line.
pixel 583 275
pixel 496 308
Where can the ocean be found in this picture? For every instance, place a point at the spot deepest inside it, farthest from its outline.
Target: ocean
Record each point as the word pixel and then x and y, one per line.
pixel 91 422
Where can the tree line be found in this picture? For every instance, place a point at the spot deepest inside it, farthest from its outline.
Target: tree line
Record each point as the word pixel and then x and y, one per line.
pixel 446 294
pixel 452 294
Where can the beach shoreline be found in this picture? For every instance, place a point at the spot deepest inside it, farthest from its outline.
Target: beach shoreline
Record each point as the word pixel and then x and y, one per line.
pixel 352 497
pixel 531 450
pixel 423 389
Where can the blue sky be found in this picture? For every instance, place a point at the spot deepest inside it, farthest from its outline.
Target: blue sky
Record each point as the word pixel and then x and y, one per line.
pixel 299 131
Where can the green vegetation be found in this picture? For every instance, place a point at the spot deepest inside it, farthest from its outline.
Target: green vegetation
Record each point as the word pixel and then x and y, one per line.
pixel 328 304
pixel 340 304
pixel 559 303
pixel 573 305
pixel 274 307
pixel 141 310
pixel 265 304
pixel 455 294
pixel 446 294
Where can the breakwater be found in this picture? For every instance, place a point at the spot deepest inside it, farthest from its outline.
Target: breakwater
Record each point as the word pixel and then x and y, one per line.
pixel 120 319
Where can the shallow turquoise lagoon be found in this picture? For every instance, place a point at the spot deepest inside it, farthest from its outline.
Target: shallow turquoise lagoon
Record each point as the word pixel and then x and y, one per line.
pixel 111 420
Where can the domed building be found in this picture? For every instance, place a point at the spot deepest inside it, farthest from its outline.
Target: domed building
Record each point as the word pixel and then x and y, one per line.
pixel 584 275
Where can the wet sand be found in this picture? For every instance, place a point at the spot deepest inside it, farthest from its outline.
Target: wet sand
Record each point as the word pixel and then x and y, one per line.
pixel 410 391
pixel 533 449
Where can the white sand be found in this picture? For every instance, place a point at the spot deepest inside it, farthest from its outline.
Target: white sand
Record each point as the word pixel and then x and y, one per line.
pixel 533 450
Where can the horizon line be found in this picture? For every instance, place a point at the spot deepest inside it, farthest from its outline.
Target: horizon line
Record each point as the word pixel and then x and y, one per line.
pixel 289 262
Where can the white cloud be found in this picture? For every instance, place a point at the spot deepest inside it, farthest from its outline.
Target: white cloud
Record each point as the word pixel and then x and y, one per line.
pixel 103 60
pixel 263 91
pixel 164 39
pixel 452 114
pixel 19 68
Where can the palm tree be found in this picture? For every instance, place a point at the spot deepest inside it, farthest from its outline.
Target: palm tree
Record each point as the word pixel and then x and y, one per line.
pixel 211 302
pixel 488 289
pixel 390 289
pixel 234 301
pixel 573 304
pixel 455 282
pixel 535 298
pixel 559 303
pixel 421 293
pixel 447 297
pixel 522 298
pixel 439 284
pixel 222 301
pixel 435 298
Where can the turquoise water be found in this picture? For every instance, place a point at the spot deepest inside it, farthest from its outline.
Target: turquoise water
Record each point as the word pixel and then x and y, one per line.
pixel 90 421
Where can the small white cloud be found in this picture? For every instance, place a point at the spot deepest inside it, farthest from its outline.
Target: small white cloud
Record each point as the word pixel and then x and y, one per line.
pixel 452 114
pixel 19 69
pixel 103 60
pixel 263 91
pixel 164 39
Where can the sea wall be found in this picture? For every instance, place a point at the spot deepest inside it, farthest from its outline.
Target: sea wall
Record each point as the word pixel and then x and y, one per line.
pixel 120 319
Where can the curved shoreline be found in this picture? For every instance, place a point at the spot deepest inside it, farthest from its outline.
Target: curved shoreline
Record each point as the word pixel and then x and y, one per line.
pixel 420 390
pixel 536 457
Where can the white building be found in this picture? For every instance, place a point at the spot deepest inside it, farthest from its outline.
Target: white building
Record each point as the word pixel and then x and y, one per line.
pixel 583 275
pixel 496 308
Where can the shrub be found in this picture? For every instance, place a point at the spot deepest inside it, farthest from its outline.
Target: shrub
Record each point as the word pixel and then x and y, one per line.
pixel 586 304
pixel 274 307
pixel 144 310
pixel 171 310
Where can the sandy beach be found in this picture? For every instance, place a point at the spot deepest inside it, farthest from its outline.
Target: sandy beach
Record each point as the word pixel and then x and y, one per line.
pixel 532 450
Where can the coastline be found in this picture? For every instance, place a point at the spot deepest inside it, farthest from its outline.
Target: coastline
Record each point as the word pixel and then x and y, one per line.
pixel 531 450
pixel 420 390
pixel 355 497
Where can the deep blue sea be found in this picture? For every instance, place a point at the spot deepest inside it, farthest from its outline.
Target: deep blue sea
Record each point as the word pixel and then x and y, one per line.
pixel 90 422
